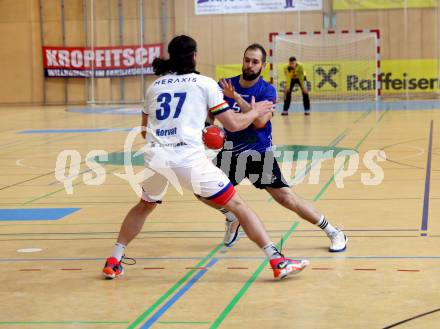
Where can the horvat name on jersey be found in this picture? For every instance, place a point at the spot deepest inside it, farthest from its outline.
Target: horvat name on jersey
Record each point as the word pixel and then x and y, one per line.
pixel 166 132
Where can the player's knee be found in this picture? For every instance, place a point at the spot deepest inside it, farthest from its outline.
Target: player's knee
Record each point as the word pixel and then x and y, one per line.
pixel 235 204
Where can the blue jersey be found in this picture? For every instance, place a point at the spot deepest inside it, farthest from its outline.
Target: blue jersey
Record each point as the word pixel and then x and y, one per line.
pixel 251 138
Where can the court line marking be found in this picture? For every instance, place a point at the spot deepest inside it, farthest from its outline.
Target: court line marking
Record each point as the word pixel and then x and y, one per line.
pixel 205 237
pixel 170 291
pixel 310 164
pixel 363 116
pixel 49 173
pixel 105 204
pixel 177 296
pixel 49 139
pixel 327 184
pixel 424 226
pixel 193 231
pixel 144 315
pixel 62 189
pixel 240 294
pixel 411 318
pixel 340 138
pixel 19 163
pixel 249 282
pixel 182 258
pixel 227 268
pixel 183 322
pixel 72 131
pixel 62 322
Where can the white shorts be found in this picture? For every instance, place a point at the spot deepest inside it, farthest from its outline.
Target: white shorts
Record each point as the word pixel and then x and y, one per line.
pixel 202 178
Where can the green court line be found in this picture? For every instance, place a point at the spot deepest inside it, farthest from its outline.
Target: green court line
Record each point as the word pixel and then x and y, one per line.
pixel 337 139
pixel 59 190
pixel 170 291
pixel 309 164
pixel 249 282
pixel 334 142
pixel 381 117
pixel 176 286
pixel 363 116
pixel 63 322
pixel 247 285
pixel 327 184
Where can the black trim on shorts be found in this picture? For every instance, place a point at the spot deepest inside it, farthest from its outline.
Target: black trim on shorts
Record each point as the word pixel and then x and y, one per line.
pixel 261 169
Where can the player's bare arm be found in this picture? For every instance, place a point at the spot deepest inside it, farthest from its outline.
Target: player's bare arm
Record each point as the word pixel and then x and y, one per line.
pixel 144 125
pixel 229 91
pixel 238 121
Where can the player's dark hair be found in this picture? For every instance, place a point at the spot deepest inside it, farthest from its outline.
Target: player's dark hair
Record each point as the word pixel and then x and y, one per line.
pixel 292 58
pixel 256 46
pixel 181 60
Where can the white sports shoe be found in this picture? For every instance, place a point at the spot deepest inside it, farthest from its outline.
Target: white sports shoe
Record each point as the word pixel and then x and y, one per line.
pixel 231 233
pixel 338 241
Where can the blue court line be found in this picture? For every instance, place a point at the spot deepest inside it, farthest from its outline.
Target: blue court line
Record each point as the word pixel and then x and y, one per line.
pixel 79 130
pixel 107 110
pixel 21 214
pixel 177 295
pixel 424 226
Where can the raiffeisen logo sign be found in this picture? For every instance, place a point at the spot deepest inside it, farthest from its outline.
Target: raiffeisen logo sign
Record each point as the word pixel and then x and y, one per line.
pixel 389 82
pixel 327 77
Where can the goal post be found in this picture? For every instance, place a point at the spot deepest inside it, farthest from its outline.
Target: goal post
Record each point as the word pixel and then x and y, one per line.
pixel 339 65
pixel 119 50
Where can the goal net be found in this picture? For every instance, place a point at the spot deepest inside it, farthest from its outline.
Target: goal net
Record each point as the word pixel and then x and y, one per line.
pixel 339 66
pixel 119 51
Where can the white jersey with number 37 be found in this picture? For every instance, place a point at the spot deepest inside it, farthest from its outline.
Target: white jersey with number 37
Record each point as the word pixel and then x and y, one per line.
pixel 177 107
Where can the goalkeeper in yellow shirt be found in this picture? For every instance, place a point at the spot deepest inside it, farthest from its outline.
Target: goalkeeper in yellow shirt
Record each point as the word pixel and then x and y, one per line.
pixel 295 74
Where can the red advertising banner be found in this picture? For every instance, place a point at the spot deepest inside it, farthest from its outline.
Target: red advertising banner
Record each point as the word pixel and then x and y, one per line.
pixel 102 62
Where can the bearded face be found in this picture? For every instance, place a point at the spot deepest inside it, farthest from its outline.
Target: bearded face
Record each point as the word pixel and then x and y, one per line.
pixel 252 64
pixel 249 74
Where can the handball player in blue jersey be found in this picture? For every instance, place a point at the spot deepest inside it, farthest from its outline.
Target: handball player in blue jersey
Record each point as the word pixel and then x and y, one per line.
pixel 178 101
pixel 248 153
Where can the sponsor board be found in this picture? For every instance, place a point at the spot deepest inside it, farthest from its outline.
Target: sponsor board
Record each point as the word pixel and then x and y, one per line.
pixel 343 77
pixel 100 61
pixel 382 4
pixel 215 7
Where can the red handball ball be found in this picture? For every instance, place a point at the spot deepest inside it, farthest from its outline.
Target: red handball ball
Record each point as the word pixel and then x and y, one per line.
pixel 213 137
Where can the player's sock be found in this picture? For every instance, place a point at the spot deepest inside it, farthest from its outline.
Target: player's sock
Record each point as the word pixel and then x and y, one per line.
pixel 118 251
pixel 271 251
pixel 229 215
pixel 326 226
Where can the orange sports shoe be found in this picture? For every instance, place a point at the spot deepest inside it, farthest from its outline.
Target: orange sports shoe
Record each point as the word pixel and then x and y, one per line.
pixel 112 268
pixel 282 267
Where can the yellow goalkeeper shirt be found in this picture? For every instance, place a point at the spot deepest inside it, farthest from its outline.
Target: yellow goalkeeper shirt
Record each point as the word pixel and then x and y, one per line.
pixel 294 73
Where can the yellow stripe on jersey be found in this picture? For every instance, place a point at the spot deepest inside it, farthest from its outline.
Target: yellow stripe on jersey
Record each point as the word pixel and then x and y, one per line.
pixel 220 108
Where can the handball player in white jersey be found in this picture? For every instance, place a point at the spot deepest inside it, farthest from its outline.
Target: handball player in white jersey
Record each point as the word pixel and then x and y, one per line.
pixel 177 104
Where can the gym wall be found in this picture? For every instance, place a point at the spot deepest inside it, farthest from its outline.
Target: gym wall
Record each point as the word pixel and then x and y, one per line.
pixel 26 24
